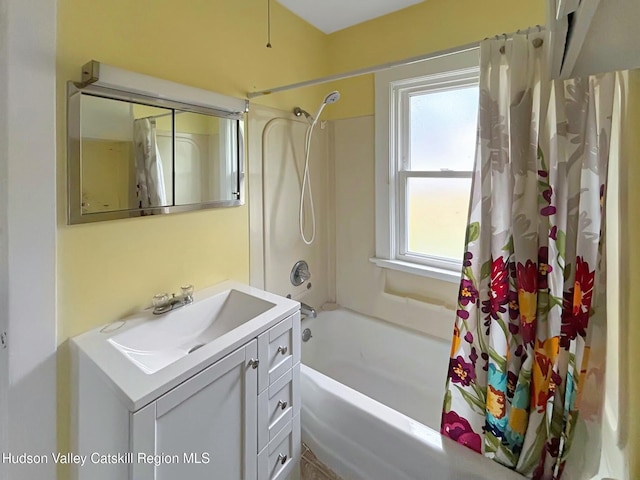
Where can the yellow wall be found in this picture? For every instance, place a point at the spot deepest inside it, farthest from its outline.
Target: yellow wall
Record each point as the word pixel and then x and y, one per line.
pixel 430 26
pixel 212 44
pixel 107 171
pixel 110 269
pixel 630 272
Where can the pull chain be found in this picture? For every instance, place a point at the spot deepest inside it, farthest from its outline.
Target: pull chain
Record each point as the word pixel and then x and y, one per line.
pixel 268 23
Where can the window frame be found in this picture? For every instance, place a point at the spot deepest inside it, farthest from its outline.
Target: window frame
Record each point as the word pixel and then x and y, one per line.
pixel 393 90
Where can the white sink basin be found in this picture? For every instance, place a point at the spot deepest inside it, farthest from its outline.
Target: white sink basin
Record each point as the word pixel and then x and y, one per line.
pixel 164 339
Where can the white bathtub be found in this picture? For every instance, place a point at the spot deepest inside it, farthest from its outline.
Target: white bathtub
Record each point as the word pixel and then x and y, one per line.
pixel 372 395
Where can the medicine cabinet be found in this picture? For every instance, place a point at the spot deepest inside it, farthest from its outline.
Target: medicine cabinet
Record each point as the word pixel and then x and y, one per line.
pixel 139 146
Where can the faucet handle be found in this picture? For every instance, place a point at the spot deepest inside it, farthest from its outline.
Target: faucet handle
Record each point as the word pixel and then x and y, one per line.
pixel 160 300
pixel 187 292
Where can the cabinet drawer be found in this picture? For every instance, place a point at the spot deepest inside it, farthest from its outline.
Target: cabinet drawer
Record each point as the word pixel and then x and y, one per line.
pixel 277 405
pixel 277 460
pixel 278 350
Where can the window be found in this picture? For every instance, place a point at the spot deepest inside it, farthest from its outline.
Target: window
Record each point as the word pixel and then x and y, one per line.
pixel 426 124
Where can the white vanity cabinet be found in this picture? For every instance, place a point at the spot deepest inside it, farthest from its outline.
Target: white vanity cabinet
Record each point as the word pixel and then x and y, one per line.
pixel 205 428
pixel 228 410
pixel 279 443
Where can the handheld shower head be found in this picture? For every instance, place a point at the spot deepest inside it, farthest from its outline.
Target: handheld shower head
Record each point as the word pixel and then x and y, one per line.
pixel 333 97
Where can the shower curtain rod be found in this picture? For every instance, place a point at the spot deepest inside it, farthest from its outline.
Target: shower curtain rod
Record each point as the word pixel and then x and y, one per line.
pixel 386 66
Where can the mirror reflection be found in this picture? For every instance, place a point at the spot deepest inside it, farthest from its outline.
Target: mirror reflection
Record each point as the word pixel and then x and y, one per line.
pixel 205 158
pixel 135 156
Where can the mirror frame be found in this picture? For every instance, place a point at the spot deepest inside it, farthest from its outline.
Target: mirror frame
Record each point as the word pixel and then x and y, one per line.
pixel 74 154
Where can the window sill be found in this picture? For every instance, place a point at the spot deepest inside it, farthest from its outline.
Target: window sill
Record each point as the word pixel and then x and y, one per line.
pixel 416 269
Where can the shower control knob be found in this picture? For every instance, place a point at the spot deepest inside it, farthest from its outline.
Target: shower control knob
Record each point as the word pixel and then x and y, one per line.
pixel 299 273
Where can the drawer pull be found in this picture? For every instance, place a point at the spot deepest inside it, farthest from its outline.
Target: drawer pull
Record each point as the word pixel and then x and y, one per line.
pixel 282 459
pixel 283 350
pixel 282 405
pixel 254 363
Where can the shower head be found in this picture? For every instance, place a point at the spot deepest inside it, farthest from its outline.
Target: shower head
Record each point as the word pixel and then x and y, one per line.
pixel 298 112
pixel 333 97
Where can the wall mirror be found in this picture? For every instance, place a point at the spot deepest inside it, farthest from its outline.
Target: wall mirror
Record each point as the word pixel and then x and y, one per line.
pixel 136 153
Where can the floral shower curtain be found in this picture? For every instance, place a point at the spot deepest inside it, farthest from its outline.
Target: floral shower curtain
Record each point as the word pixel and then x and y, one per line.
pixel 526 374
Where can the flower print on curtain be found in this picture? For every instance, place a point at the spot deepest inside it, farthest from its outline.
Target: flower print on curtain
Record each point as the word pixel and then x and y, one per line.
pixel 530 327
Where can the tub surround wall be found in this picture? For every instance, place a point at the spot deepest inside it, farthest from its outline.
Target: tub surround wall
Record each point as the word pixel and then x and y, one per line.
pixel 276 166
pixel 419 303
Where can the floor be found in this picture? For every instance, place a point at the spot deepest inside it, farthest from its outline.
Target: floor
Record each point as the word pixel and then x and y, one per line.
pixel 313 469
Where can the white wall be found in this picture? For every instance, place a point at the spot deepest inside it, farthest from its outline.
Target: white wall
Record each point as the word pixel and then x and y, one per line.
pixel 27 229
pixel 4 311
pixel 415 302
pixel 276 166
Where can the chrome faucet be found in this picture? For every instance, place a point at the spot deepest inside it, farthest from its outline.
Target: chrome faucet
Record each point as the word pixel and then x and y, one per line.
pixel 163 303
pixel 307 311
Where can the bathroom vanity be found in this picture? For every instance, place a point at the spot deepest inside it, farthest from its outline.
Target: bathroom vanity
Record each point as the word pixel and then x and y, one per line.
pixel 208 391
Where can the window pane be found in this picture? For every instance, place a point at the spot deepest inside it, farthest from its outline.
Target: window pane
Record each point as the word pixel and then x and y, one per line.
pixel 437 215
pixel 443 129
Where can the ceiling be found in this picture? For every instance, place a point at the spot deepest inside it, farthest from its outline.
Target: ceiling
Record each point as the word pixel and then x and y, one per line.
pixel 333 15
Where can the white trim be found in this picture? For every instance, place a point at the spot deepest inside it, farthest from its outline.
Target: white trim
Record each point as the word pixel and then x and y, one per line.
pixel 392 87
pixel 28 227
pixel 4 250
pixel 416 269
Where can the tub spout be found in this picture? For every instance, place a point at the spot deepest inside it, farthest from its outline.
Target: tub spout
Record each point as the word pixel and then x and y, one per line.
pixel 307 311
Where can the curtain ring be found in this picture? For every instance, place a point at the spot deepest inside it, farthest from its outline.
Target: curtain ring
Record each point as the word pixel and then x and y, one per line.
pixel 503 48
